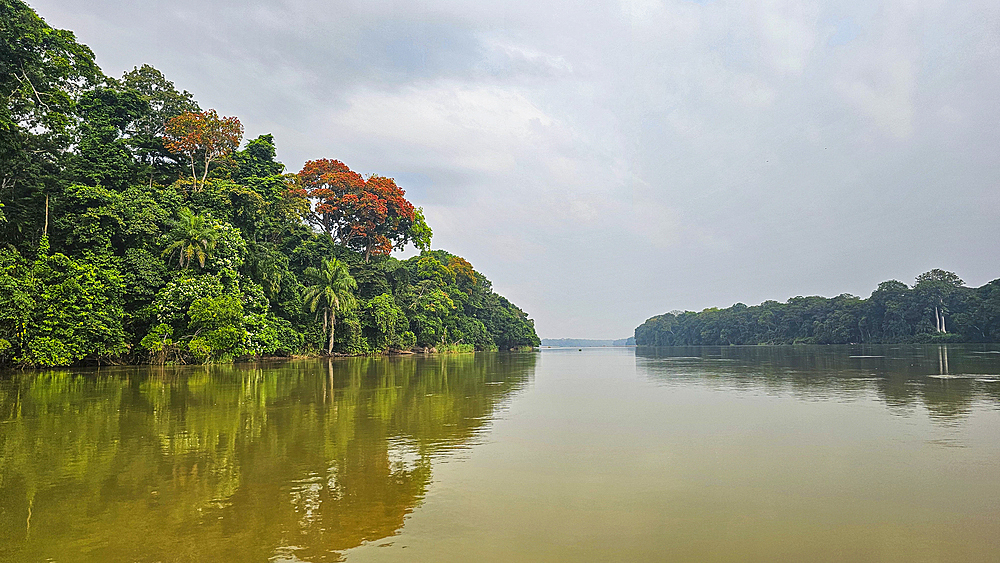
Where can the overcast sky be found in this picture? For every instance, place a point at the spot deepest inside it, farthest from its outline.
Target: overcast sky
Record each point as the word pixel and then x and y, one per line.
pixel 603 162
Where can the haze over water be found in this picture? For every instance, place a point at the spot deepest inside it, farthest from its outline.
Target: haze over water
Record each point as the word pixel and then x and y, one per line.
pixel 680 454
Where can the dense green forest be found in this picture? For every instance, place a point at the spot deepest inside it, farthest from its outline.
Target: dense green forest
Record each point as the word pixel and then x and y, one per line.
pixel 938 308
pixel 137 227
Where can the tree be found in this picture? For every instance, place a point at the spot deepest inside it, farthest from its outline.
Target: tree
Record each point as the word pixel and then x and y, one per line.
pixel 420 231
pixel 165 102
pixel 940 276
pixel 326 182
pixel 219 327
pixel 382 217
pixel 332 292
pixel 203 137
pixel 937 285
pixel 369 215
pixel 42 73
pixel 195 236
pixel 77 313
pixel 257 160
pixel 105 155
pixel 112 176
pixel 386 322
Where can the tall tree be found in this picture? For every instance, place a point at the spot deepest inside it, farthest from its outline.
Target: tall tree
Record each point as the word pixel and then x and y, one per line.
pixel 164 103
pixel 326 182
pixel 203 138
pixel 42 73
pixel 382 217
pixel 369 215
pixel 333 291
pixel 937 285
pixel 105 155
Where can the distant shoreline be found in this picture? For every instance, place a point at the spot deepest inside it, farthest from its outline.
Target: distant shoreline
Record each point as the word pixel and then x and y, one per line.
pixel 587 342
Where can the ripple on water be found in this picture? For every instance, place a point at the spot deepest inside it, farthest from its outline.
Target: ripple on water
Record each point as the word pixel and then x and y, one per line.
pixel 986 377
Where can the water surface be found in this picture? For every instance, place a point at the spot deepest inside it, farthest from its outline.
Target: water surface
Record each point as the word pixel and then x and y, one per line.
pixel 678 454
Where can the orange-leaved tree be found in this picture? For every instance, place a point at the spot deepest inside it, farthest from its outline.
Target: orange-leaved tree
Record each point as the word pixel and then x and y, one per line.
pixel 368 215
pixel 326 182
pixel 203 137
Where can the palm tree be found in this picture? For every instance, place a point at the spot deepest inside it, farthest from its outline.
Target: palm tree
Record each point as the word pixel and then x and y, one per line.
pixel 331 293
pixel 194 237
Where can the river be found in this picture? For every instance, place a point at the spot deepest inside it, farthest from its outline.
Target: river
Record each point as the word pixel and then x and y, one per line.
pixel 597 454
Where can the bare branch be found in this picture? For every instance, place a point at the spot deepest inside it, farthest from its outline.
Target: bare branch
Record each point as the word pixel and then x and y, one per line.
pixel 23 79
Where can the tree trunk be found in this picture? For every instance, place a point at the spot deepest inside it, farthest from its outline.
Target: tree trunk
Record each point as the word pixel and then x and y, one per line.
pixel 326 320
pixel 194 174
pixel 333 322
pixel 205 175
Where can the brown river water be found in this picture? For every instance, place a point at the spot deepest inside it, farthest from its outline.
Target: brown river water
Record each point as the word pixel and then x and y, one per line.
pixel 732 454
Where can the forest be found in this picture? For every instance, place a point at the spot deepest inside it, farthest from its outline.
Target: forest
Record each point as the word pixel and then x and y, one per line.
pixel 136 226
pixel 938 308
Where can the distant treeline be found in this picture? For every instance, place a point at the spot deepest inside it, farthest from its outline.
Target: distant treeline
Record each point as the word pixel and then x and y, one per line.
pixel 939 307
pixel 586 342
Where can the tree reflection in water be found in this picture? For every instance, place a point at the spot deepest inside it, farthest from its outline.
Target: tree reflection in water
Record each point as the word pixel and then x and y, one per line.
pixel 946 380
pixel 302 459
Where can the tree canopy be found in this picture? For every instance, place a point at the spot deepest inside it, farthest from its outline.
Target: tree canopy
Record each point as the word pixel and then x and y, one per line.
pixel 370 215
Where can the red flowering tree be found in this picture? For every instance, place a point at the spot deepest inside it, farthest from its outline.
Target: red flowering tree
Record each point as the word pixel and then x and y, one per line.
pixel 326 182
pixel 368 215
pixel 203 137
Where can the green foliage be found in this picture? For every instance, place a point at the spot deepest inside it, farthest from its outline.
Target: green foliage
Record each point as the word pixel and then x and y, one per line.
pixel 218 328
pixel 194 238
pixel 175 298
pixel 43 71
pixel 17 300
pixel 448 302
pixel 420 232
pixel 386 322
pixel 105 155
pixel 160 346
pixel 229 251
pixel 938 308
pixel 257 160
pixel 349 338
pixel 939 278
pixel 332 291
pixel 268 335
pixel 212 313
pixel 65 311
pixel 407 340
pixel 159 94
pixel 45 351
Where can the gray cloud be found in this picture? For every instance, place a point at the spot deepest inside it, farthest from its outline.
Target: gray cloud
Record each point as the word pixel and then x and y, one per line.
pixel 609 161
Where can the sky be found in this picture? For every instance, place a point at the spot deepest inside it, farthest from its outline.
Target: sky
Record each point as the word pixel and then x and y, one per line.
pixel 606 161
